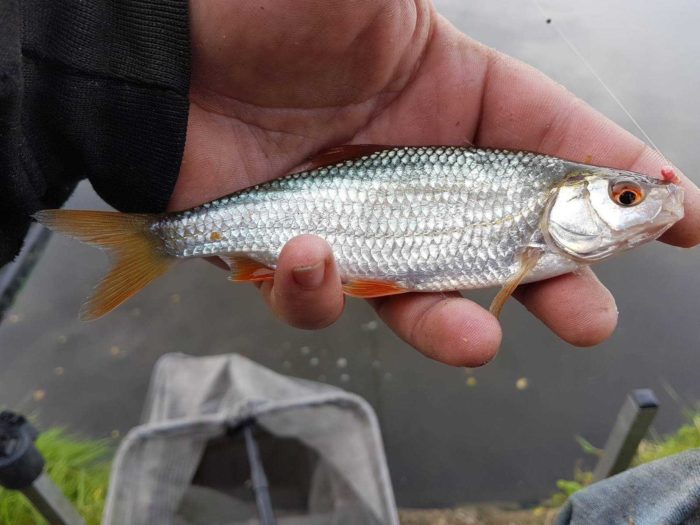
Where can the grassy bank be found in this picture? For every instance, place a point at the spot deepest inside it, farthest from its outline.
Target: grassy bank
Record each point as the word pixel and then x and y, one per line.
pixel 685 438
pixel 79 467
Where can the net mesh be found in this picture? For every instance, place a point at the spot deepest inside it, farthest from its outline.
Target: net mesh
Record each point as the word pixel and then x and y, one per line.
pixel 187 463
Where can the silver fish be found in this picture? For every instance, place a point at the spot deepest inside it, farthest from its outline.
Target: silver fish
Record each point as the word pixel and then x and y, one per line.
pixel 398 219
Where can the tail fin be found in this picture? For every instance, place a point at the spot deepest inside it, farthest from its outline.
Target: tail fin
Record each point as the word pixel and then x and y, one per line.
pixel 135 252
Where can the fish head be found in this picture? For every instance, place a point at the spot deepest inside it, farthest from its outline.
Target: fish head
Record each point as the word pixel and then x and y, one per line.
pixel 597 212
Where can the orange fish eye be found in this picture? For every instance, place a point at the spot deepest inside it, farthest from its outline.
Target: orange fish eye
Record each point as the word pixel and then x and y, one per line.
pixel 627 193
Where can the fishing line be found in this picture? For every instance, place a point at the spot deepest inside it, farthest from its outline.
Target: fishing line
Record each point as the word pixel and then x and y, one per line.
pixel 590 68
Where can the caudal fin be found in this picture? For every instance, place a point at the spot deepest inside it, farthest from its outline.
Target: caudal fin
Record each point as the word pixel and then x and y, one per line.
pixel 136 253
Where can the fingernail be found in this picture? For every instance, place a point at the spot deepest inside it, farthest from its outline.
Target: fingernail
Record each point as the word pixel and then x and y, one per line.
pixel 310 277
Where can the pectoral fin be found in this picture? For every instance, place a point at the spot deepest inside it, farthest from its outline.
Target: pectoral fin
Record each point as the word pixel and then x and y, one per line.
pixel 528 260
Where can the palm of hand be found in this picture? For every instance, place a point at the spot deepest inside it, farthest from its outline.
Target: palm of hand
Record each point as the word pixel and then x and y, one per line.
pixel 274 83
pixel 272 86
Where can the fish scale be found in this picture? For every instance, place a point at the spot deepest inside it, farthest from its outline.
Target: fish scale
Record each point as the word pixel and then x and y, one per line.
pixel 398 219
pixel 427 218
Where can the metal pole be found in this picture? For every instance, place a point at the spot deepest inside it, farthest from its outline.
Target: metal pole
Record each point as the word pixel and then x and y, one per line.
pixel 51 503
pixel 631 426
pixel 258 478
pixel 21 467
pixel 14 274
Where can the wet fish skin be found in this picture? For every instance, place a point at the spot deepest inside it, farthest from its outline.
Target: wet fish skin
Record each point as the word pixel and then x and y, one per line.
pixel 398 219
pixel 428 219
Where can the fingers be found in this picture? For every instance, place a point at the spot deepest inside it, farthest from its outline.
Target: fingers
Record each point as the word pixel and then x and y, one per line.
pixel 458 332
pixel 306 291
pixel 444 327
pixel 575 306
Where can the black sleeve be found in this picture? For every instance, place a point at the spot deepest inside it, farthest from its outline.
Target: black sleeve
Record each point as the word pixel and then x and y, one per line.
pixel 96 89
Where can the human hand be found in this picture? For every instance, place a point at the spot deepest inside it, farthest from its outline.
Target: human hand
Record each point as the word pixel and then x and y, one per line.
pixel 275 82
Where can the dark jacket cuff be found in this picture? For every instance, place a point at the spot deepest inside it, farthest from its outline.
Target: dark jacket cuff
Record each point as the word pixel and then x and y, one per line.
pixel 106 97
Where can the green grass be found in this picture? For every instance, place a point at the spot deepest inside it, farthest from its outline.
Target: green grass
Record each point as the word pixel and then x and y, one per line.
pixel 79 467
pixel 685 438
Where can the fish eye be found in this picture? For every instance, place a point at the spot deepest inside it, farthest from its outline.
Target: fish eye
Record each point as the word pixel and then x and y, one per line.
pixel 627 193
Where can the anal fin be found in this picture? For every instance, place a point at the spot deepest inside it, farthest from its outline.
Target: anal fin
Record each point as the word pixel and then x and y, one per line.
pixel 245 269
pixel 528 260
pixel 368 288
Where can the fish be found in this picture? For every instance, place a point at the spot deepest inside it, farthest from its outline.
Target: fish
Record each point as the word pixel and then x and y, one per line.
pixel 398 219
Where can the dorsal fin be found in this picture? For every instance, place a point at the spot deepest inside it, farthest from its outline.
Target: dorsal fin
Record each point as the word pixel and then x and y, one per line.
pixel 338 154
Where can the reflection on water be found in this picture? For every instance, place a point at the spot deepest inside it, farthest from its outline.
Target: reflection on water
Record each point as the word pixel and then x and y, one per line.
pixel 505 431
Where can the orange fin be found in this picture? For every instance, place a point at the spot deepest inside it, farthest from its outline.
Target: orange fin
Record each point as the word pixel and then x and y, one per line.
pixel 528 260
pixel 340 154
pixel 244 268
pixel 137 259
pixel 368 289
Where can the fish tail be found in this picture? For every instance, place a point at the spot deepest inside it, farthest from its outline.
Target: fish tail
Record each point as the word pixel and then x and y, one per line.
pixel 137 254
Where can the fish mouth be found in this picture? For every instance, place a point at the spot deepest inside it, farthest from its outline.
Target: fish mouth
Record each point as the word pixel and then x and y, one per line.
pixel 670 213
pixel 674 205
